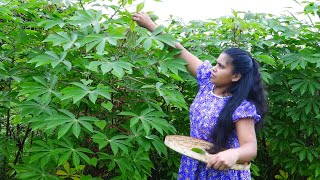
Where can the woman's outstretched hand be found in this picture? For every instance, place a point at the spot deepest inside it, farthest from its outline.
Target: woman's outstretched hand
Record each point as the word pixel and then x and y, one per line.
pixel 223 160
pixel 144 20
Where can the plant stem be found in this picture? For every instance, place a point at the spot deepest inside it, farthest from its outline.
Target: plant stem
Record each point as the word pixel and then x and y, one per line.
pixel 8 124
pixel 21 145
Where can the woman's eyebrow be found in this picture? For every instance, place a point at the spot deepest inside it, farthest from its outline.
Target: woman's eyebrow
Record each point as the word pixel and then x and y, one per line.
pixel 221 64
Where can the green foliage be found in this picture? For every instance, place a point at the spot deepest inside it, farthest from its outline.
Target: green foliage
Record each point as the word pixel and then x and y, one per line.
pixel 90 95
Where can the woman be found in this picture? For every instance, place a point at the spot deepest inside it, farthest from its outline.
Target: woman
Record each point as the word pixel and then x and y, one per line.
pixel 230 104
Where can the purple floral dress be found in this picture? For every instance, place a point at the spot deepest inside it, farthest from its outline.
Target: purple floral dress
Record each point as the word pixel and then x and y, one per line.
pixel 204 112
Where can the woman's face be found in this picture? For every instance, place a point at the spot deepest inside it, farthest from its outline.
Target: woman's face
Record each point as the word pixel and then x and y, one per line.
pixel 222 72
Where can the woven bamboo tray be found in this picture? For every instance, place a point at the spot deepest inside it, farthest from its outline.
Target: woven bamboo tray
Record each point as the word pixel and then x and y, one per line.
pixel 195 148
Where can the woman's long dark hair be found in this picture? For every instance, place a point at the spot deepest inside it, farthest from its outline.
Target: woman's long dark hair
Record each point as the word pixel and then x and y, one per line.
pixel 248 87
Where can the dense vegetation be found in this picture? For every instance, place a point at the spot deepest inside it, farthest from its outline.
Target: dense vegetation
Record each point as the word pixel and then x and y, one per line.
pixel 87 94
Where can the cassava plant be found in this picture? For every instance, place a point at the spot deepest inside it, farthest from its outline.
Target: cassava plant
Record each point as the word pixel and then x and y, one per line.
pixel 87 94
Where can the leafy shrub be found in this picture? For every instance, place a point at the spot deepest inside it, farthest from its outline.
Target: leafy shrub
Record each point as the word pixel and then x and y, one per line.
pixel 87 94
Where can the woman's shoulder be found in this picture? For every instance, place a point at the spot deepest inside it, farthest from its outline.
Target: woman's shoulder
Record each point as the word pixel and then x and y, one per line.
pixel 246 109
pixel 203 70
pixel 204 73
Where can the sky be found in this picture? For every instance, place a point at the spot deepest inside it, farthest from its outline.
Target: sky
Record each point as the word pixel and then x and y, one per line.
pixel 205 9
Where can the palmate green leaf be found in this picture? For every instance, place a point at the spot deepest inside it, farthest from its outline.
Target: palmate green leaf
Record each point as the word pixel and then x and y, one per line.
pixel 174 65
pixel 40 88
pixel 35 107
pixel 159 145
pixel 79 91
pixel 297 83
pixel 29 172
pixel 123 164
pixel 7 147
pixel 141 161
pixel 148 42
pixel 117 68
pixel 92 40
pixel 68 151
pixel 44 151
pixel 48 24
pixel 69 123
pixel 301 59
pixel 100 40
pixel 304 84
pixel 137 162
pixel 84 18
pixel 115 34
pixel 50 57
pixel 116 142
pixel 150 119
pixel 309 103
pixel 167 39
pixel 158 39
pixel 62 38
pixel 171 95
pixel 266 59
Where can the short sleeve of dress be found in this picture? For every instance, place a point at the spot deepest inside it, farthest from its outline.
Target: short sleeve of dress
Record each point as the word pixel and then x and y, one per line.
pixel 204 73
pixel 246 110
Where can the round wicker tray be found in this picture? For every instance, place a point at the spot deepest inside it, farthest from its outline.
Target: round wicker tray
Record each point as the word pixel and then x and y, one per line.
pixel 195 148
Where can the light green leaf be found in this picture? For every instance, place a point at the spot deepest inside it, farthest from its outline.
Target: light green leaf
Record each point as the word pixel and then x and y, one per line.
pixel 116 34
pixel 62 38
pixel 76 128
pixel 64 158
pixel 147 44
pixel 117 68
pixel 167 39
pixel 302 154
pixel 157 31
pixel 174 65
pixel 92 40
pixel 50 57
pixel 75 159
pixel 101 124
pixel 139 7
pixel 101 139
pixel 107 105
pixel 2 67
pixel 64 129
pixel 48 24
pixel 84 18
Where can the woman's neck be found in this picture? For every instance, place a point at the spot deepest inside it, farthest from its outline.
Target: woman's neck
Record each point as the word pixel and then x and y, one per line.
pixel 220 91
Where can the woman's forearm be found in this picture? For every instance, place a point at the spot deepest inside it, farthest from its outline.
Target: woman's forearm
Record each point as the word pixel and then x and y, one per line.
pixel 246 152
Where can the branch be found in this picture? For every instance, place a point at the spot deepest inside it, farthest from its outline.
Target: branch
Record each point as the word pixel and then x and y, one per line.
pixel 21 144
pixel 81 4
pixel 8 124
pixel 116 10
